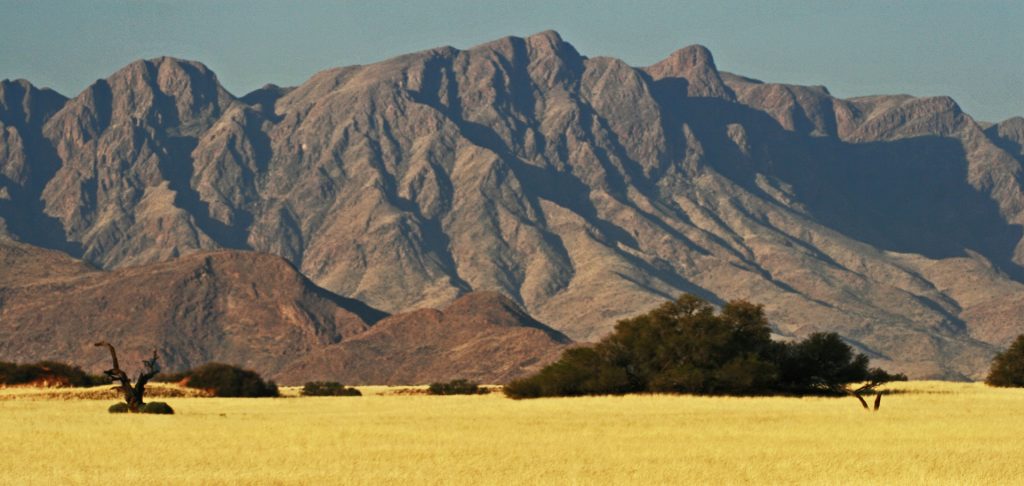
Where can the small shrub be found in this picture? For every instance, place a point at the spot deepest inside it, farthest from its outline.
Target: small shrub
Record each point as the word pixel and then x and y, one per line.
pixel 230 381
pixel 157 408
pixel 456 387
pixel 119 407
pixel 328 389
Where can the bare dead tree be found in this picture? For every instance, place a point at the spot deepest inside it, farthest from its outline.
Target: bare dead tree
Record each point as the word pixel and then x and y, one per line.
pixel 133 395
pixel 858 397
pixel 870 387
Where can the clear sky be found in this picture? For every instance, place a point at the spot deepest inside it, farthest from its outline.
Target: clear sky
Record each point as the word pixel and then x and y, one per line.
pixel 970 50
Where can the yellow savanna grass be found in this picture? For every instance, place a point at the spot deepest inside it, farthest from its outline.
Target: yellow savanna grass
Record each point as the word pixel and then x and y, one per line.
pixel 925 433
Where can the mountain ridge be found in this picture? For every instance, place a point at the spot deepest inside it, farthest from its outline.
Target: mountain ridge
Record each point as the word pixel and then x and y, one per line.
pixel 585 189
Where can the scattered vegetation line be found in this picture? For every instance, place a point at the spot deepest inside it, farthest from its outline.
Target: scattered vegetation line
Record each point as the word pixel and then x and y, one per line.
pixel 329 389
pixel 48 373
pixel 684 347
pixel 456 387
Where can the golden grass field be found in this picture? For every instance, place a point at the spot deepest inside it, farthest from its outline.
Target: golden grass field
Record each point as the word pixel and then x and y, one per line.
pixel 925 433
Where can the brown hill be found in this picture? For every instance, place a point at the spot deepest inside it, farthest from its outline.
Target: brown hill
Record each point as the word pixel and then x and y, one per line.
pixel 256 311
pixel 585 189
pixel 482 336
pixel 236 307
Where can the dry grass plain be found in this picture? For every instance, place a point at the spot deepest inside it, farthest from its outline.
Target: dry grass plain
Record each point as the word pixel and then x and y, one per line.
pixel 925 433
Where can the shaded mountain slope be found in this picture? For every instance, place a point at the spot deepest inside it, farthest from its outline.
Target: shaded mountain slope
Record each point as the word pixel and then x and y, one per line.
pixel 585 189
pixel 257 311
pixel 244 308
pixel 482 336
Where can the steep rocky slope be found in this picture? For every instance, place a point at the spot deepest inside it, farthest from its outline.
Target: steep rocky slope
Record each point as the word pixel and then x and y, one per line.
pixel 583 188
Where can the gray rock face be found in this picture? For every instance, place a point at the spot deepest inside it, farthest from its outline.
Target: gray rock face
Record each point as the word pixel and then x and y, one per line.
pixel 584 189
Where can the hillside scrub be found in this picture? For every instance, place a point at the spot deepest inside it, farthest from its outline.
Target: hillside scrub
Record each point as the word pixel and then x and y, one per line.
pixel 684 347
pixel 1008 366
pixel 50 373
pixel 226 381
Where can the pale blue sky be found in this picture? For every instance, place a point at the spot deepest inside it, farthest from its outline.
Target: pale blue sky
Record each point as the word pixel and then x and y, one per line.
pixel 970 50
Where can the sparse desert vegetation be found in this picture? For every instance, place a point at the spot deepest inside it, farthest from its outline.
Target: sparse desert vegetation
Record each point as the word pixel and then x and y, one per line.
pixel 47 373
pixel 329 389
pixel 456 387
pixel 928 433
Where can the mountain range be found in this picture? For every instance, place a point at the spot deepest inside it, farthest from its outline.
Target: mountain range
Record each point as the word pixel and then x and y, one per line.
pixel 582 189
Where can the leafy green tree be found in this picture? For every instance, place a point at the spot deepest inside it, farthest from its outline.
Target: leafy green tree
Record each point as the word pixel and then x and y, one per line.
pixel 1008 366
pixel 685 347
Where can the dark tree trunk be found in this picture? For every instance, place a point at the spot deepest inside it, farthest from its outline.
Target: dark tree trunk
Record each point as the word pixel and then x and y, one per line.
pixel 133 396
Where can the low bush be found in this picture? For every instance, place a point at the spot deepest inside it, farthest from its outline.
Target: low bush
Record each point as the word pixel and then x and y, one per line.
pixel 49 372
pixel 329 389
pixel 157 408
pixel 151 407
pixel 230 381
pixel 119 407
pixel 456 387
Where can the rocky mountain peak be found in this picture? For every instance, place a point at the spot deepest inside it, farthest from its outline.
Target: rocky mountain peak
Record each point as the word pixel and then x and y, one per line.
pixel 696 65
pixel 24 105
pixel 1009 135
pixel 174 91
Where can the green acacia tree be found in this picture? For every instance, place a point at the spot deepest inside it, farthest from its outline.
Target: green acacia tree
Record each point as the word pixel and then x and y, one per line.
pixel 683 346
pixel 1008 366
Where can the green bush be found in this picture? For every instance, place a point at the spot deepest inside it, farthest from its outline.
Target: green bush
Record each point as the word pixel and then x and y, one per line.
pixel 230 381
pixel 151 407
pixel 15 374
pixel 456 387
pixel 119 407
pixel 328 389
pixel 684 347
pixel 1008 367
pixel 157 408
